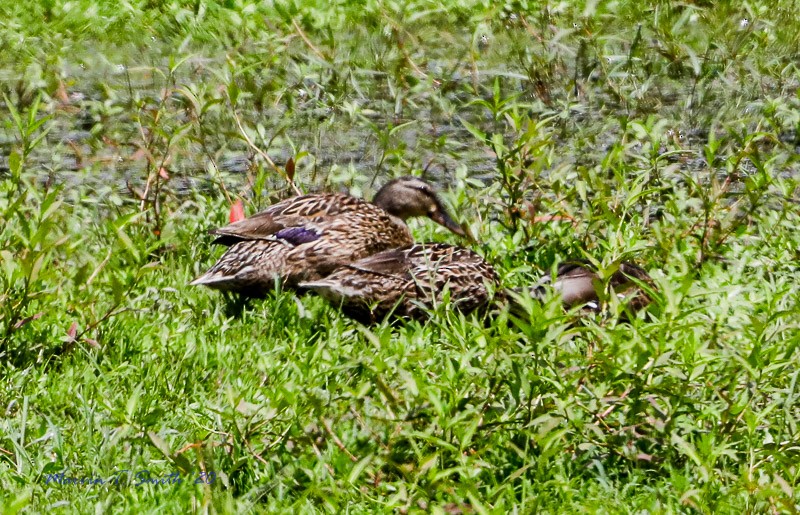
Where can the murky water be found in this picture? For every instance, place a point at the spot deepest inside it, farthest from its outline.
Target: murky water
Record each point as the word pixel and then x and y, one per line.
pixel 102 120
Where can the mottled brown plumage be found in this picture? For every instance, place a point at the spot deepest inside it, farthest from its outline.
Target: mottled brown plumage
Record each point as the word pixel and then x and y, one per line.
pixel 305 238
pixel 405 281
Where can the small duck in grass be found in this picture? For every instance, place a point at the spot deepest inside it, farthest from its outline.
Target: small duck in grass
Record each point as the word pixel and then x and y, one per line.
pixel 305 238
pixel 579 284
pixel 408 281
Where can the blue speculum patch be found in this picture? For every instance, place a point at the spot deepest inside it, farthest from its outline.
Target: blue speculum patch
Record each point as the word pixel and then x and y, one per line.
pixel 297 235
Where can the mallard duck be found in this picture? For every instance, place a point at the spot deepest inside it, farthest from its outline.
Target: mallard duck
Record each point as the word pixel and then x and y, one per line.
pixel 403 282
pixel 578 284
pixel 305 238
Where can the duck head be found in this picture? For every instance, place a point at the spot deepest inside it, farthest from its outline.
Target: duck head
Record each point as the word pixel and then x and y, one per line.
pixel 408 197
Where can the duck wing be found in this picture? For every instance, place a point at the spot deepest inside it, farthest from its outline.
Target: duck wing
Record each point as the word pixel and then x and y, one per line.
pixel 394 262
pixel 296 212
pixel 400 280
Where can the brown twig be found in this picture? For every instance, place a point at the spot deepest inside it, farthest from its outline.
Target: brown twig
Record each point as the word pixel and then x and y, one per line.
pixel 319 455
pixel 608 411
pixel 308 41
pixel 97 270
pixel 255 454
pixel 212 160
pixel 264 154
pixel 397 29
pixel 337 441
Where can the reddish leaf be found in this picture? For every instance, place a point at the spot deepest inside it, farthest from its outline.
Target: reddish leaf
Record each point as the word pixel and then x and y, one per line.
pixel 92 343
pixel 72 331
pixel 162 172
pixel 25 320
pixel 237 211
pixel 139 155
pixel 290 169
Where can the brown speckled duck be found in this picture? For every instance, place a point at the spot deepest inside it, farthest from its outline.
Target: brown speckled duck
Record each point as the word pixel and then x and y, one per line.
pixel 305 238
pixel 405 282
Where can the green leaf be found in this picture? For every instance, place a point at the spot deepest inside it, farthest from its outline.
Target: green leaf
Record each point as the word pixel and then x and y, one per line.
pixel 18 502
pixel 15 207
pixel 132 404
pixel 159 444
pixel 479 134
pixel 233 92
pixel 358 469
pixel 33 276
pixel 15 163
pixel 14 115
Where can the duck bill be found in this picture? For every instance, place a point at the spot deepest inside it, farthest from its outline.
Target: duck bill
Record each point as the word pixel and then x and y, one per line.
pixel 442 218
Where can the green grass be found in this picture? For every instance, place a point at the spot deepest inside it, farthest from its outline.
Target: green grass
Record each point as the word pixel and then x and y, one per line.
pixel 667 134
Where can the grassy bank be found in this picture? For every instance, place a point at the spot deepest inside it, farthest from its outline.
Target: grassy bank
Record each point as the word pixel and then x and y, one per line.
pixel 666 134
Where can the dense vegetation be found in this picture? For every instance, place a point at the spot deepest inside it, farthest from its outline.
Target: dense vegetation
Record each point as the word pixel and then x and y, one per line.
pixel 666 133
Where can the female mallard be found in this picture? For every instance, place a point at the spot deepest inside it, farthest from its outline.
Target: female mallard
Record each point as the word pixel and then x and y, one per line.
pixel 305 238
pixel 579 285
pixel 403 282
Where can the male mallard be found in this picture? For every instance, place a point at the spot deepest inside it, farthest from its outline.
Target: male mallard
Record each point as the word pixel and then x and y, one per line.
pixel 305 238
pixel 403 281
